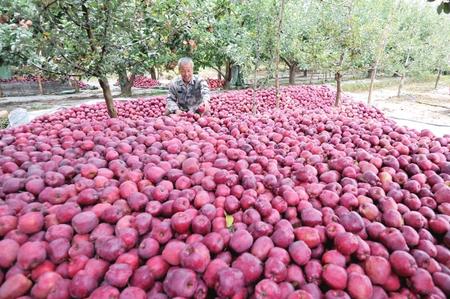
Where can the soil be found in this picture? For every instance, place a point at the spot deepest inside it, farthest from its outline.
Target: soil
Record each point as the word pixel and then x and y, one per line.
pixel 416 109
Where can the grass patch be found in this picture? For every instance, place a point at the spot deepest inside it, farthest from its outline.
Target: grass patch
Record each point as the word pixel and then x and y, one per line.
pixel 418 83
pixel 363 85
pixel 158 92
pixel 4 123
pixel 39 106
pixel 146 92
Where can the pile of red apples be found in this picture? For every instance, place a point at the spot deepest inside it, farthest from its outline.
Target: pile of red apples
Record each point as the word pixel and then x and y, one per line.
pixel 301 201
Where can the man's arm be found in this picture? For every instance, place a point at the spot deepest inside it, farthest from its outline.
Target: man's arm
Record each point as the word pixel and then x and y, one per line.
pixel 205 96
pixel 171 105
pixel 205 91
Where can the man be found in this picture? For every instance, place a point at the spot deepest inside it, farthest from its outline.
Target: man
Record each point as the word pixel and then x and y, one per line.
pixel 188 93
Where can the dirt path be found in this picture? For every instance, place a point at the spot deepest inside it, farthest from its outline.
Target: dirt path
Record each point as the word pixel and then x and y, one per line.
pixel 414 109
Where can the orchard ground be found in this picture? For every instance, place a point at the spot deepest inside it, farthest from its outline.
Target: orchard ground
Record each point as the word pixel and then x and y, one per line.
pixel 419 107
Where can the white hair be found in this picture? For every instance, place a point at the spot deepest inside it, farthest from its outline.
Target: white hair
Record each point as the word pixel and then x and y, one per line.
pixel 184 61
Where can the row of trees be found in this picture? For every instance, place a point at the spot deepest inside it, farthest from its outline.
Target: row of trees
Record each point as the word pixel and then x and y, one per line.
pixel 94 38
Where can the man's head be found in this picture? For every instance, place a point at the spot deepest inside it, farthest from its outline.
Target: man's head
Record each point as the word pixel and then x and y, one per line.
pixel 186 69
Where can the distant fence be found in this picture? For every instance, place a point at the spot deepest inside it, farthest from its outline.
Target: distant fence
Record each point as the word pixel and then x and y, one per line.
pixel 32 88
pixel 317 77
pixel 313 77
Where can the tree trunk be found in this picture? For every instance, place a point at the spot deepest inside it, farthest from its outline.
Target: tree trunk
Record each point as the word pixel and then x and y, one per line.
pixel 219 73
pixel 403 76
pixel 77 85
pixel 292 72
pixel 108 96
pixel 254 108
pixel 373 74
pixel 338 78
pixel 153 72
pixel 400 86
pixel 370 72
pixel 437 79
pixel 125 82
pixel 277 55
pixel 227 74
pixel 381 49
pixel 305 73
pixel 255 83
pixel 39 81
pixel 1 92
pixel 74 83
pixel 237 80
pixel 311 77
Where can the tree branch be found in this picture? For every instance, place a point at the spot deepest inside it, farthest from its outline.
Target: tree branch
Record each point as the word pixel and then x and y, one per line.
pixel 105 31
pixel 218 70
pixel 90 34
pixel 88 26
pixel 73 64
pixel 289 64
pixel 50 4
pixel 76 66
pixel 67 13
pixel 213 67
pixel 47 70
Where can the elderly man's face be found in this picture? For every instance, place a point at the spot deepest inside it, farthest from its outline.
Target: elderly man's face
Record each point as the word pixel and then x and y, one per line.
pixel 186 71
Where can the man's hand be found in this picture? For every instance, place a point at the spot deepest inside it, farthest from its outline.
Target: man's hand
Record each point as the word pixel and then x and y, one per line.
pixel 203 108
pixel 177 112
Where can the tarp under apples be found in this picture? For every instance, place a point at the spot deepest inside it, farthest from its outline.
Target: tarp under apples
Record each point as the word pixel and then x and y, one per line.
pixel 304 201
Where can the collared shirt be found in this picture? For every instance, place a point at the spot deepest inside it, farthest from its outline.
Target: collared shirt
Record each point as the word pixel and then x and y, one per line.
pixel 187 97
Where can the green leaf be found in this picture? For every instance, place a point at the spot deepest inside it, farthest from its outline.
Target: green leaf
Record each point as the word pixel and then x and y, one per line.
pixel 440 8
pixel 229 220
pixel 446 7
